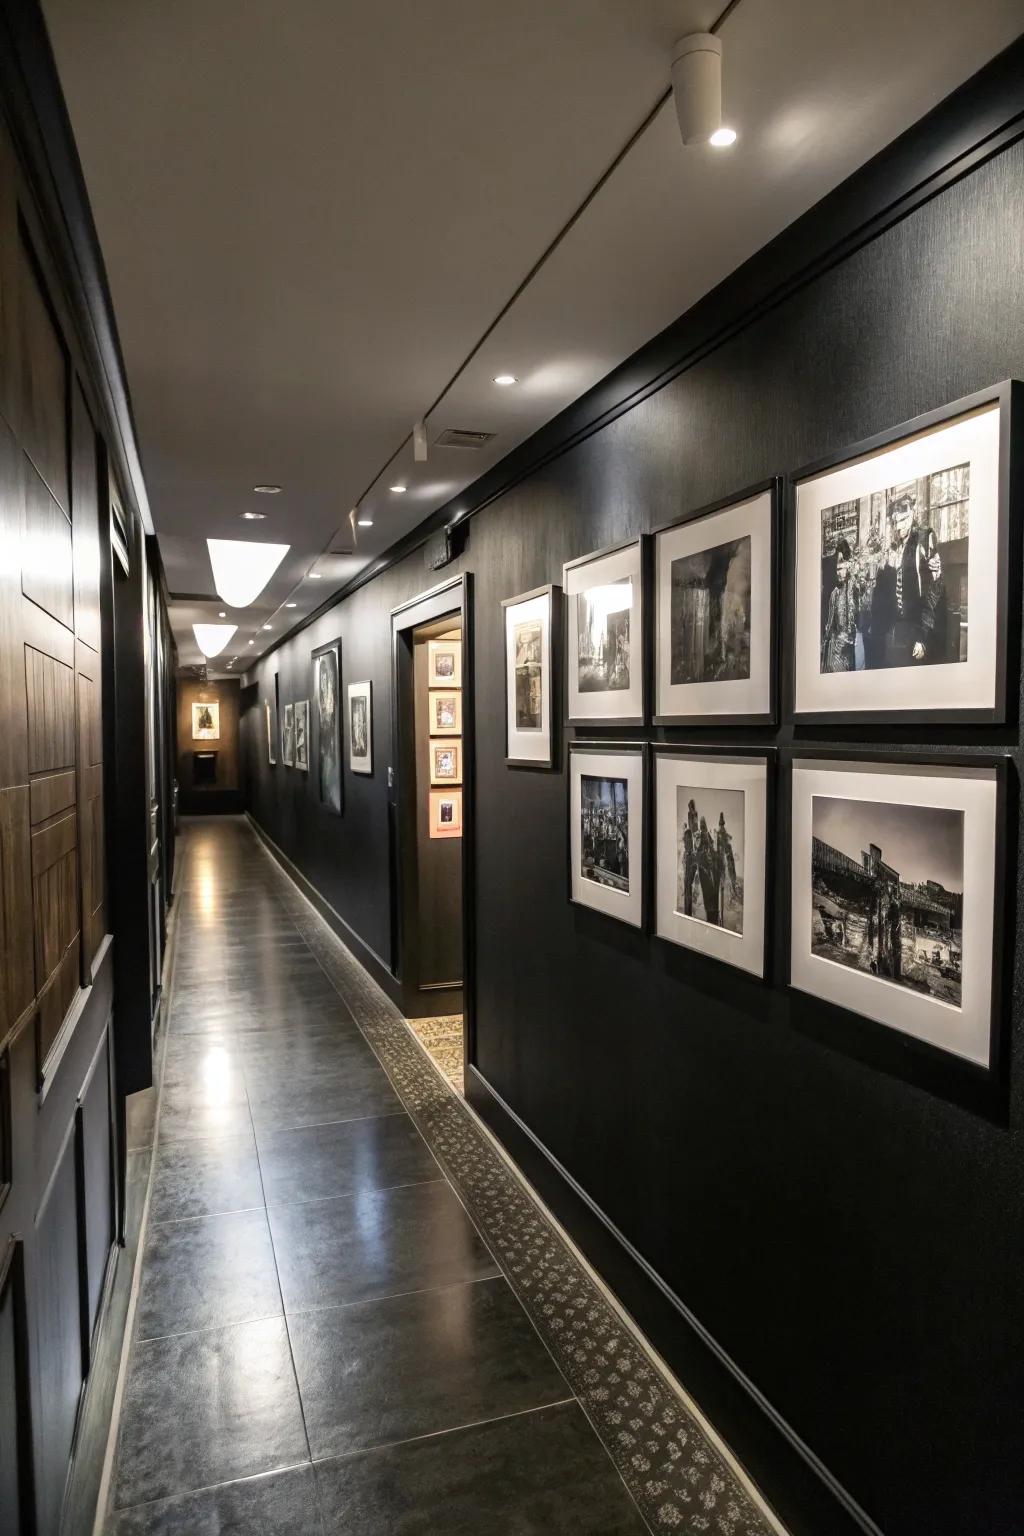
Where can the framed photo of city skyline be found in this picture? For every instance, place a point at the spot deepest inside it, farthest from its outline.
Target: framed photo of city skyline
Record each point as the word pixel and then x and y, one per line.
pixel 712 812
pixel 607 831
pixel 906 588
pixel 715 613
pixel 898 882
pixel 604 625
pixel 531 621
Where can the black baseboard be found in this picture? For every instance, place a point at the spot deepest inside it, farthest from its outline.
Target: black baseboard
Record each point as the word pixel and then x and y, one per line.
pixel 805 1495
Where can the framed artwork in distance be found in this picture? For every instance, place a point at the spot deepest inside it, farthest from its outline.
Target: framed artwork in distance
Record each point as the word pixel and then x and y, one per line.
pixel 288 736
pixel 271 735
pixel 898 893
pixel 327 712
pixel 302 735
pixel 604 653
pixel 206 721
pixel 360 727
pixel 445 706
pixel 444 663
pixel 906 580
pixel 445 762
pixel 715 582
pixel 532 620
pixel 607 815
pixel 712 813
pixel 446 813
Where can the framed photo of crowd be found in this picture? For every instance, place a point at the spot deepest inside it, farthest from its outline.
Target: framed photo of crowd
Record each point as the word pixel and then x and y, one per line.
pixel 607 828
pixel 904 583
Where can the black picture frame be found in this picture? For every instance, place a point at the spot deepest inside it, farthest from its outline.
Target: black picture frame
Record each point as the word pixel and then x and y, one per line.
pixel 1009 396
pixel 333 647
pixel 613 746
pixel 555 643
pixel 890 1038
pixel 769 753
pixel 642 542
pixel 774 487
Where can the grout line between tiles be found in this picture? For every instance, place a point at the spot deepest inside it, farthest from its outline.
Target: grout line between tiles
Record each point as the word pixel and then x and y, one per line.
pixel 438 1434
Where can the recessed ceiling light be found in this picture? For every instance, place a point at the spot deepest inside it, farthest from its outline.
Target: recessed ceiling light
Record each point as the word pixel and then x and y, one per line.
pixel 505 379
pixel 241 570
pixel 222 614
pixel 398 489
pixel 253 517
pixel 268 626
pixel 267 490
pixel 723 137
pixel 290 605
pixel 212 638
pixel 315 576
pixel 252 642
pixel 365 522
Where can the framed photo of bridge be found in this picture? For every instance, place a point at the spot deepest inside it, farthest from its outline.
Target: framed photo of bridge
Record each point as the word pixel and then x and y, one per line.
pixel 898 882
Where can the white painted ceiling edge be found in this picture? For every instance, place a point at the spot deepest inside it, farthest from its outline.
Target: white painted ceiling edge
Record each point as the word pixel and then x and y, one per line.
pixel 312 212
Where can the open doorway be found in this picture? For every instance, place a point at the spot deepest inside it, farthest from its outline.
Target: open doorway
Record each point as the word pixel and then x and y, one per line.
pixel 431 799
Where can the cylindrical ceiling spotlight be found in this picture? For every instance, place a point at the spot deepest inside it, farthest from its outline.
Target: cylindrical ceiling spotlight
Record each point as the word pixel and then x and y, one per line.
pixel 697 86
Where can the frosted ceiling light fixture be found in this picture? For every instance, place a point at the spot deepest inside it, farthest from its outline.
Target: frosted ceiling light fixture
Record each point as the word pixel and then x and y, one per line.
pixel 267 490
pixel 241 570
pixel 505 379
pixel 399 490
pixel 365 522
pixel 253 517
pixel 697 90
pixel 212 638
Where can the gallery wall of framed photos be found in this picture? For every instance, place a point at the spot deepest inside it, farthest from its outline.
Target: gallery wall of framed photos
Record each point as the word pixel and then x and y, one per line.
pixel 792 1085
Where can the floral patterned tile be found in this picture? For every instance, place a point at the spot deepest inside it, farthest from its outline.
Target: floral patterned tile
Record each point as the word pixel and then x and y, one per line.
pixel 441 1038
pixel 673 1468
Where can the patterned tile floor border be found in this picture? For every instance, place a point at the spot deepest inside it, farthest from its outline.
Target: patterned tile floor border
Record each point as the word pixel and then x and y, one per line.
pixel 441 1038
pixel 672 1467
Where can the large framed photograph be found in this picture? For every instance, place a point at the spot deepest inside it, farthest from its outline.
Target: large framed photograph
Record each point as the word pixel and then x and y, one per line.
pixel 327 710
pixel 271 735
pixel 302 735
pixel 288 736
pixel 897 540
pixel 206 721
pixel 360 727
pixel 712 818
pixel 604 603
pixel 898 879
pixel 444 663
pixel 531 621
pixel 715 613
pixel 607 814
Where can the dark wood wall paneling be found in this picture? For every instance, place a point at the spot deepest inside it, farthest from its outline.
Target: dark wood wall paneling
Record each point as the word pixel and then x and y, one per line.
pixel 56 1191
pixel 847 1235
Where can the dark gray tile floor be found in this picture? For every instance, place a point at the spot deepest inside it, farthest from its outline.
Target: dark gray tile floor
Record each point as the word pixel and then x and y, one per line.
pixel 323 1342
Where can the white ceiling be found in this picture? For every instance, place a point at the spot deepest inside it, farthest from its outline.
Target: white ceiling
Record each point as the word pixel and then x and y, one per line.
pixel 312 210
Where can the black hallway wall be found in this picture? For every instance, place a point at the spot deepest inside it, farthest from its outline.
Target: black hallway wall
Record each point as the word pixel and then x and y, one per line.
pixel 851 1238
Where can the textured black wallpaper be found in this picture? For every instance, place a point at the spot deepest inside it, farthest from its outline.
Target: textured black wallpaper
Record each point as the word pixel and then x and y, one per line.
pixel 852 1237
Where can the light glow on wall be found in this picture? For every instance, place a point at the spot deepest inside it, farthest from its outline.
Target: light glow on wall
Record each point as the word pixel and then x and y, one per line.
pixel 212 638
pixel 242 569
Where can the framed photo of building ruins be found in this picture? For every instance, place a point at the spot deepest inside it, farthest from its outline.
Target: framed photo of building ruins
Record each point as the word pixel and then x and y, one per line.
pixel 906 582
pixel 897 896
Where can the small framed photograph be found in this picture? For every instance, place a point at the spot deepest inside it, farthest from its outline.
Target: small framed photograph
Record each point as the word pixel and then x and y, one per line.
pixel 445 762
pixel 715 613
pixel 444 663
pixel 327 709
pixel 607 795
pixel 445 712
pixel 288 736
pixel 898 893
pixel 271 736
pixel 896 540
pixel 360 727
pixel 446 813
pixel 604 603
pixel 206 721
pixel 712 816
pixel 302 735
pixel 531 621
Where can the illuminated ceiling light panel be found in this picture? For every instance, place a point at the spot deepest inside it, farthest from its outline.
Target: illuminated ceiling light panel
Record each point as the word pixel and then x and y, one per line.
pixel 212 638
pixel 241 570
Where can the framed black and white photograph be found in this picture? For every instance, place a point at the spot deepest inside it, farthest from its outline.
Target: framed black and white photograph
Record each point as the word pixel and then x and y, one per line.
pixel 896 542
pixel 445 711
pixel 604 603
pixel 607 811
pixel 712 816
pixel 327 710
pixel 288 736
pixel 714 613
pixel 271 735
pixel 531 621
pixel 444 663
pixel 445 762
pixel 897 895
pixel 302 735
pixel 360 727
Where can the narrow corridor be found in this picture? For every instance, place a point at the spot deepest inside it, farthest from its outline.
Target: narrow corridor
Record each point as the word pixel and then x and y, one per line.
pixel 323 1339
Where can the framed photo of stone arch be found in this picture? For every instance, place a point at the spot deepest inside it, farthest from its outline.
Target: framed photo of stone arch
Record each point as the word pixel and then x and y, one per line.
pixel 898 882
pixel 906 583
pixel 715 583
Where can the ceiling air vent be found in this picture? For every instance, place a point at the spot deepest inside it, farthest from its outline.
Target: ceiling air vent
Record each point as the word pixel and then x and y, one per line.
pixel 455 437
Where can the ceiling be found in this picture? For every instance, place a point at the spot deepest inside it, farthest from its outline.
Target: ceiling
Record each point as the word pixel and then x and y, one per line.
pixel 313 211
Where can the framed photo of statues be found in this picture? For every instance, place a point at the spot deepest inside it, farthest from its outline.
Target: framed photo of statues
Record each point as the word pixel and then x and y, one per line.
pixel 712 813
pixel 327 715
pixel 288 735
pixel 607 828
pixel 604 654
pixel 302 735
pixel 898 893
pixel 714 582
pixel 906 588
pixel 532 620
